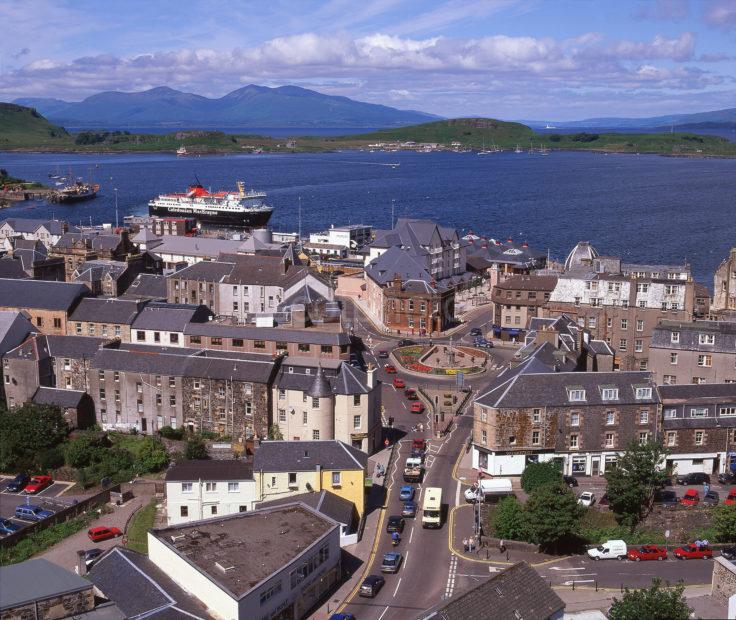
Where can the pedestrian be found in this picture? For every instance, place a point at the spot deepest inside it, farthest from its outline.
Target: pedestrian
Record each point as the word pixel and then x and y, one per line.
pixel 471 544
pixel 706 488
pixel 465 544
pixel 706 543
pixel 501 546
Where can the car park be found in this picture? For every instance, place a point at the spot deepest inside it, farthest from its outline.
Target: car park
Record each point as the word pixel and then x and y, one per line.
pixel 693 478
pixel 647 552
pixel 383 355
pixel 8 527
pixel 609 550
pixel 27 512
pixel 691 498
pixel 98 534
pixel 91 556
pixel 371 586
pixel 395 524
pixel 693 552
pixel 406 493
pixel 711 498
pixel 399 383
pixel 586 499
pixel 729 552
pixel 666 499
pixel 409 510
pixel 390 369
pixel 731 498
pixel 570 481
pixel 391 562
pixel 411 394
pixel 417 407
pixel 17 484
pixel 38 484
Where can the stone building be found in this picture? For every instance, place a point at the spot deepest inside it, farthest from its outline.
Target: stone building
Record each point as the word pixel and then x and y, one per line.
pixel 76 248
pixel 583 420
pixel 35 261
pixel 107 318
pixel 621 303
pixel 14 329
pixel 693 352
pixel 163 324
pixel 109 278
pixel 724 285
pixel 516 300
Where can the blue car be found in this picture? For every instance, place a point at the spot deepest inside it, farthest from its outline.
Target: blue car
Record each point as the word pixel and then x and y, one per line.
pixel 17 484
pixel 8 527
pixel 342 617
pixel 32 513
pixel 409 509
pixel 406 493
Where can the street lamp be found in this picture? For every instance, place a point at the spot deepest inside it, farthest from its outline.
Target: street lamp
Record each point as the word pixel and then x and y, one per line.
pixel 117 221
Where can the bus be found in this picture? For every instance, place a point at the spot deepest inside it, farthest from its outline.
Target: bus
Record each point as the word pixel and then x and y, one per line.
pixel 432 508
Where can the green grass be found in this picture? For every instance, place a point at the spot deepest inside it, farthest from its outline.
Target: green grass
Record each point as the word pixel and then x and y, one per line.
pixel 21 126
pixel 141 522
pixel 127 441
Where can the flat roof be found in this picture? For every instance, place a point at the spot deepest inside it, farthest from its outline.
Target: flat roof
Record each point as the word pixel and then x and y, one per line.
pixel 239 551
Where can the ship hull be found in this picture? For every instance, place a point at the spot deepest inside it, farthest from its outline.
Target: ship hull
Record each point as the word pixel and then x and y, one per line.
pixel 69 198
pixel 253 219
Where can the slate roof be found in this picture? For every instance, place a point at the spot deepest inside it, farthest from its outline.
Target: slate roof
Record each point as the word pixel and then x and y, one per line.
pixel 528 283
pixel 94 270
pixel 343 380
pixel 140 589
pixel 206 247
pixel 305 336
pixel 303 295
pixel 412 232
pixel 30 256
pixel 210 470
pixel 337 508
pixel 41 294
pixel 14 328
pixel 330 454
pixel 695 392
pixel 724 332
pixel 320 387
pixel 35 580
pixel 147 286
pixel 482 253
pixel 27 225
pixel 208 271
pixel 144 235
pixel 93 310
pixel 170 317
pixel 259 270
pixel 58 396
pixel 518 592
pixel 93 239
pixel 41 346
pixel 527 388
pixel 396 260
pixel 11 267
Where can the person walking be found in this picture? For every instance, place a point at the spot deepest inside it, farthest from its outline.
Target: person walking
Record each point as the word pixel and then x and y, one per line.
pixel 706 488
pixel 465 544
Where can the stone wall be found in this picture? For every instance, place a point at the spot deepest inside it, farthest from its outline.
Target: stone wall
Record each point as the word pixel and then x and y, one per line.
pixel 723 584
pixel 62 606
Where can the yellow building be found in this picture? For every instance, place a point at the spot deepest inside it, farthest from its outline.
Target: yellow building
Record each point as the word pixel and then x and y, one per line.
pixel 285 468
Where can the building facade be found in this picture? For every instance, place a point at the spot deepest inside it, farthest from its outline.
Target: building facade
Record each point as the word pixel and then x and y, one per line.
pixel 517 299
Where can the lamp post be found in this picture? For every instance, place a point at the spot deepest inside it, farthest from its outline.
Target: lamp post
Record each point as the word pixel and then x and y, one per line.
pixel 117 221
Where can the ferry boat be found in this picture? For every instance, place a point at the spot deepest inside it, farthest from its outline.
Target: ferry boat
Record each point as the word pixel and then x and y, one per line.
pixel 240 209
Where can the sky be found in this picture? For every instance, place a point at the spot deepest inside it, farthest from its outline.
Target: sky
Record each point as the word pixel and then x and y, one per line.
pixel 508 59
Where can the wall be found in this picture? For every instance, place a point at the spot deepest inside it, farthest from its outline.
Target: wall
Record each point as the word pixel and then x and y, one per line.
pixel 105 330
pixel 722 369
pixel 723 583
pixel 199 501
pixel 62 606
pixel 290 407
pixel 51 322
pixel 351 487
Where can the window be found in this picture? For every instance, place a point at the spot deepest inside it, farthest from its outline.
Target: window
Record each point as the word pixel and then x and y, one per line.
pixel 118 331
pixel 282 415
pixel 237 342
pixel 281 346
pixel 356 400
pixel 535 438
pixel 592 322
pixel 356 421
pixel 292 479
pixel 210 487
pixel 643 438
pixel 536 416
pixel 576 394
pixel 698 380
pixel 184 511
pixel 675 337
pixel 483 415
pixel 610 394
pixel 574 419
pixel 195 340
pixel 706 338
pixel 102 393
pixel 172 401
pixel 186 487
pixel 699 438
pixel 610 417
pixel 100 375
pixel 305 417
pixel 79 329
pixel 644 417
pixel 638 345
pixel 233 487
pixel 172 382
pixel 699 412
pixel 669 379
pixel 139 387
pixel 315 435
pixel 315 402
pixel 235 306
pixel 39 321
pixel 483 437
pixel 213 510
pixel 639 325
pixel 673 359
pixel 705 361
pixel 91 329
pixel 270 592
pixel 609 440
pixel 512 440
pixel 174 338
pixel 727 411
pixel 282 394
pixel 336 475
pixel 622 344
pixel 624 323
pixel 326 348
pixel 573 442
pixel 68 382
pixel 642 288
pixel 609 323
pixel 671 438
pixel 159 400
pixel 643 392
pixel 303 347
pixel 669 414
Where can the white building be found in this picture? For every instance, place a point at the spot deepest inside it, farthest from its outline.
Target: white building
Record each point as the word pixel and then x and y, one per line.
pixel 163 324
pixel 197 490
pixel 348 237
pixel 47 232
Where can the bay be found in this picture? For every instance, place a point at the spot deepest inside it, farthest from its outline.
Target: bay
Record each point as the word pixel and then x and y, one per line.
pixel 644 208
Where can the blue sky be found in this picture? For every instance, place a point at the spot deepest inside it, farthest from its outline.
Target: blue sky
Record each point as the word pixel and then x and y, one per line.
pixel 511 59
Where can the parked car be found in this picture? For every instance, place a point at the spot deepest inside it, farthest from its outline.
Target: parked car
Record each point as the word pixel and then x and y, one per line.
pixel 390 369
pixel 342 617
pixel 405 342
pixel 411 394
pixel 419 444
pixel 98 534
pixel 476 331
pixel 91 556
pixel 399 383
pixel 691 498
pixel 667 499
pixel 570 481
pixel 729 552
pixel 727 477
pixel 38 484
pixel 17 484
pixel 32 513
pixel 8 527
pixel 693 552
pixel 731 498
pixel 604 501
pixel 647 552
pixel 383 355
pixel 406 493
pixel 395 524
pixel 391 562
pixel 417 407
pixel 693 478
pixel 418 454
pixel 371 585
pixel 409 510
pixel 711 498
pixel 586 499
pixel 609 550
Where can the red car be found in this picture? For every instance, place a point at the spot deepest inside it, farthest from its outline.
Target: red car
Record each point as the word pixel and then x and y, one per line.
pixel 38 484
pixel 391 370
pixel 731 499
pixel 411 394
pixel 419 444
pixel 691 498
pixel 417 407
pixel 97 534
pixel 647 552
pixel 399 383
pixel 693 552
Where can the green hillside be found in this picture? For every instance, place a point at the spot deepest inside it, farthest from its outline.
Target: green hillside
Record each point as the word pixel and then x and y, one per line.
pixel 21 126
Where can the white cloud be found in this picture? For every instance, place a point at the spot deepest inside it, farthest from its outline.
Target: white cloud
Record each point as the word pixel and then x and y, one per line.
pixel 720 14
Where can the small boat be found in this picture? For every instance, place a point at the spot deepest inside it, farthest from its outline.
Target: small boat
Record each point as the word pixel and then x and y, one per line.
pixel 548 126
pixel 543 150
pixel 181 151
pixel 518 149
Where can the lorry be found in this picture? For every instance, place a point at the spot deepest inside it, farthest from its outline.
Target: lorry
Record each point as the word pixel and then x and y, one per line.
pixel 432 508
pixel 609 550
pixel 413 470
pixel 488 489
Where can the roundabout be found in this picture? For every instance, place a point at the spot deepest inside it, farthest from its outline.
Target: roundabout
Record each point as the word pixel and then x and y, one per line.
pixel 443 359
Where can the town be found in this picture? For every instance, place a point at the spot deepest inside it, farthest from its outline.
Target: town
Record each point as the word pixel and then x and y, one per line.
pixel 357 423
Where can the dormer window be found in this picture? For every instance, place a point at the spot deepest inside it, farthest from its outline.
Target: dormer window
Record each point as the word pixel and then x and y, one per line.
pixel 609 393
pixel 575 394
pixel 675 337
pixel 643 392
pixel 706 338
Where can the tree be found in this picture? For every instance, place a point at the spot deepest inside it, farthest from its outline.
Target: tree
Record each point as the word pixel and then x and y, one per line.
pixel 152 456
pixel 724 522
pixel 80 451
pixel 196 449
pixel 538 474
pixel 508 520
pixel 274 432
pixel 552 514
pixel 653 603
pixel 632 483
pixel 28 431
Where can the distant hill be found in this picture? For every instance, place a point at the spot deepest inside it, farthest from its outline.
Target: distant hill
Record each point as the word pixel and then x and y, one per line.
pixel 254 106
pixel 714 119
pixel 21 125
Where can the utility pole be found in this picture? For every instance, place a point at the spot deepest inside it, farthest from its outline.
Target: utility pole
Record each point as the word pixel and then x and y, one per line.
pixel 117 221
pixel 393 205
pixel 300 222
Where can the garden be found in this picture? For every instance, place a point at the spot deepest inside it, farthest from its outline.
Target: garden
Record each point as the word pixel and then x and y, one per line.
pixel 442 359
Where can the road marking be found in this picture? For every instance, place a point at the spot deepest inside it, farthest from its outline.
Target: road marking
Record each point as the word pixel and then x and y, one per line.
pixel 397 588
pixel 450 586
pixel 457 494
pixel 558 568
pixel 494 569
pixel 569 583
pixel 411 534
pixel 383 613
pixel 406 559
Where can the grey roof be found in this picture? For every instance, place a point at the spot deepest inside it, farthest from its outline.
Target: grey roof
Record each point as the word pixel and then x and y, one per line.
pixel 305 336
pixel 93 270
pixel 121 311
pixel 209 271
pixel 303 295
pixel 483 253
pixel 147 286
pixel 11 267
pixel 14 328
pixel 724 333
pixel 397 261
pixel 527 283
pixel 140 589
pixel 41 294
pixel 144 235
pixel 214 470
pixel 343 379
pixel 94 239
pixel 320 387
pixel 599 347
pixel 702 391
pixel 337 508
pixel 550 389
pixel 517 592
pixel 581 256
pixel 196 246
pixel 28 257
pixel 170 317
pixel 37 580
pixel 27 225
pixel 330 454
pixel 58 396
pixel 72 347
pixel 261 270
pixel 413 233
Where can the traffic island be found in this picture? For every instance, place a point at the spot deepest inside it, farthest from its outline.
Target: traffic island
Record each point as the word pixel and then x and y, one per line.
pixel 442 360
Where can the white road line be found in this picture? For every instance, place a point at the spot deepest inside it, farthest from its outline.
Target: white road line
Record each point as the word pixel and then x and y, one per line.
pixel 406 559
pixel 411 534
pixel 383 613
pixel 569 583
pixel 558 568
pixel 396 590
pixel 457 494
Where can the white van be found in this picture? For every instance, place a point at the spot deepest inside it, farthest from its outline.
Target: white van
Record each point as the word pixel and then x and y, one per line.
pixel 485 489
pixel 609 550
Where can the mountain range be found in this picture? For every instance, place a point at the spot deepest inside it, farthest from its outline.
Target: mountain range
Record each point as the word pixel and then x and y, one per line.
pixel 716 118
pixel 249 106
